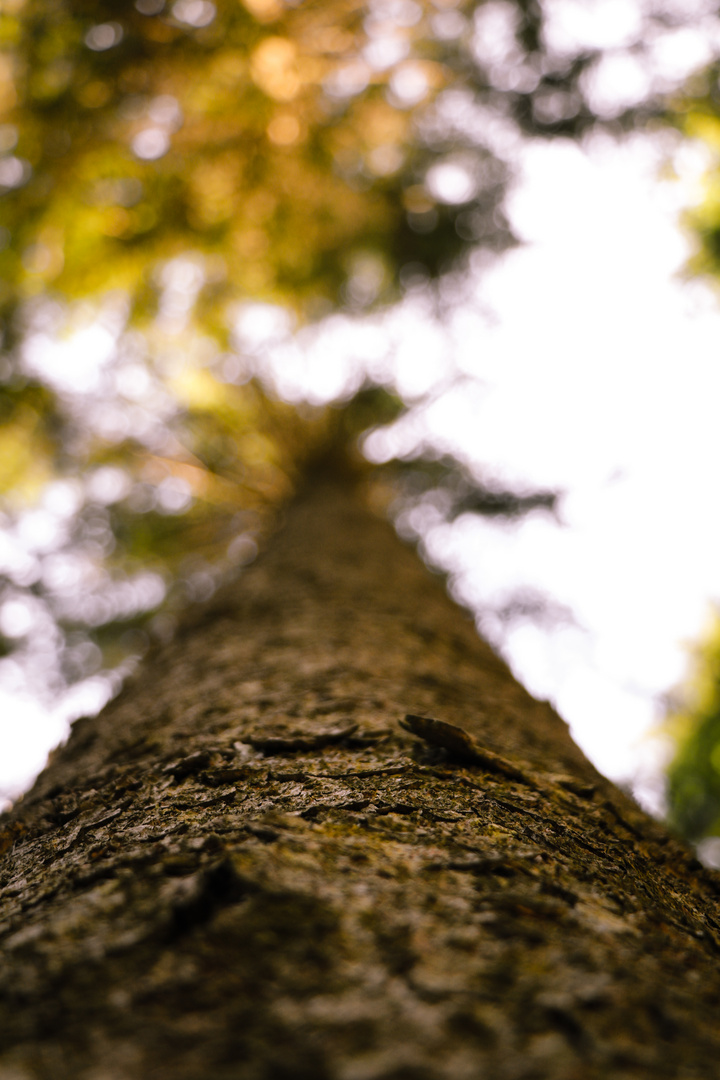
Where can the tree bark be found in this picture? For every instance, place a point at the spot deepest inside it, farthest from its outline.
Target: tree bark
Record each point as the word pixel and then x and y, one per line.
pixel 246 869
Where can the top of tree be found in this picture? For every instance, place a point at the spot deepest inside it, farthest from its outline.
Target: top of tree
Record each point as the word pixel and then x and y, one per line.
pixel 305 153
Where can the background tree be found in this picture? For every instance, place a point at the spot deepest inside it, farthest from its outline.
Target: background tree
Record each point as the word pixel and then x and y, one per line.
pixel 693 715
pixel 694 725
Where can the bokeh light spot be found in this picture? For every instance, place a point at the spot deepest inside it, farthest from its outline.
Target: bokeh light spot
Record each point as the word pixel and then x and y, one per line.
pixel 174 495
pixel 151 143
pixel 104 36
pixel 194 12
pixel 16 618
pixel 408 85
pixel 284 129
pixel 451 182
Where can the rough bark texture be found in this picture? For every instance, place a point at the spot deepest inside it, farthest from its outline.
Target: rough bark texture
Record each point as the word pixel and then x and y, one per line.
pixel 247 868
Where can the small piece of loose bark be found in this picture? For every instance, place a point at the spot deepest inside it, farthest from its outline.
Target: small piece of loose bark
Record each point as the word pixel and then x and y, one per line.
pixel 288 744
pixel 458 742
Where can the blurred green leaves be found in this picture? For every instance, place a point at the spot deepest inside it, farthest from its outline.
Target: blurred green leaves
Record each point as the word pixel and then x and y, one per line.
pixel 693 721
pixel 697 114
pixel 694 773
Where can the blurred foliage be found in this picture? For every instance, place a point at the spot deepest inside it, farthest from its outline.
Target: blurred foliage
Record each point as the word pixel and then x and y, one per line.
pixel 306 151
pixel 694 725
pixel 446 481
pixel 164 166
pixel 268 137
pixel 693 722
pixel 697 114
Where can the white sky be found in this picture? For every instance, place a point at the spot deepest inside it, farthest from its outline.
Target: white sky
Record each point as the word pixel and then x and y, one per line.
pixel 598 373
pixel 602 377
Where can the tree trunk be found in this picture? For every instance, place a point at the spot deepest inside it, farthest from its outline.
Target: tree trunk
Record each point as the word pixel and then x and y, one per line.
pixel 246 869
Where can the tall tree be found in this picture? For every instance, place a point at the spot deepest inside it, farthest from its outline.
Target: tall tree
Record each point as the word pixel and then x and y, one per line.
pixel 163 165
pixel 325 833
